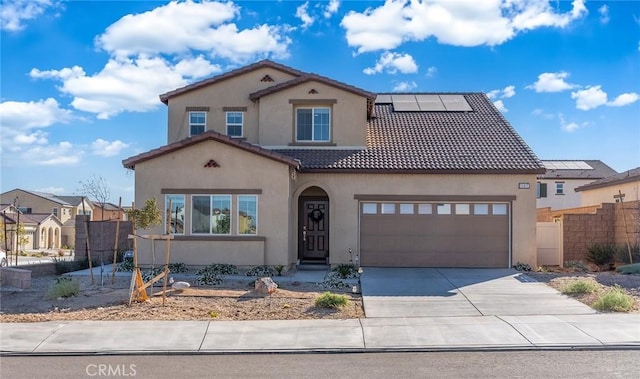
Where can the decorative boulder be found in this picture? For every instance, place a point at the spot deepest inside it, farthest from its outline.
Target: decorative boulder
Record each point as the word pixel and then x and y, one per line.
pixel 179 286
pixel 265 286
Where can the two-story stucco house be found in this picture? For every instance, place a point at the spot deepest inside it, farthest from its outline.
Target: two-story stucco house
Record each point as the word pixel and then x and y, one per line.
pixel 268 165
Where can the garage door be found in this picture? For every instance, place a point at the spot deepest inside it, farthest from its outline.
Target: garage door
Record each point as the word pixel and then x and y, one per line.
pixel 443 234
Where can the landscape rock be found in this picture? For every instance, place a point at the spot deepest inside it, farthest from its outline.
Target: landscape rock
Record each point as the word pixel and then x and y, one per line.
pixel 180 286
pixel 265 285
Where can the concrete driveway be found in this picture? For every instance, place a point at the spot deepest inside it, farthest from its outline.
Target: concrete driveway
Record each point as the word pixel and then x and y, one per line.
pixel 425 292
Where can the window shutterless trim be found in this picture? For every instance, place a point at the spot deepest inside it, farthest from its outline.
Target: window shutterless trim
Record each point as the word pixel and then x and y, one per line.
pixel 439 198
pixel 312 101
pixel 234 109
pixel 197 109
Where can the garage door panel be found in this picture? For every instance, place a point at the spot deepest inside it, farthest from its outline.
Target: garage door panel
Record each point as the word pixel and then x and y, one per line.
pixel 445 240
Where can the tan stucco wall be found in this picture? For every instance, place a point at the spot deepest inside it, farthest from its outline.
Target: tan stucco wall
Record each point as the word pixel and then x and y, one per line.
pixel 570 198
pixel 341 188
pixel 597 196
pixel 233 92
pixel 348 115
pixel 238 169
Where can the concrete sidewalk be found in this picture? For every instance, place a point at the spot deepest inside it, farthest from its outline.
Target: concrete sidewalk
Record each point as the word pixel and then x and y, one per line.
pixel 355 335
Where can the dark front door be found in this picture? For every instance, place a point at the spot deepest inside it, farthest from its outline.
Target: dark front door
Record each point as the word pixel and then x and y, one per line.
pixel 314 229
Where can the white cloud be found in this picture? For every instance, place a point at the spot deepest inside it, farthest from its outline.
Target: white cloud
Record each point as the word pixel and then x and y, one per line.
pixel 404 86
pixel 593 97
pixel 14 12
pixel 303 15
pixel 541 113
pixel 331 8
pixel 61 154
pixel 107 149
pixel 589 98
pixel 38 137
pixel 16 116
pixel 604 14
pixel 431 71
pixel 458 23
pixel 52 189
pixel 624 99
pixel 126 84
pixel 567 126
pixel 552 82
pixel 182 27
pixel 500 105
pixel 392 63
pixel 505 93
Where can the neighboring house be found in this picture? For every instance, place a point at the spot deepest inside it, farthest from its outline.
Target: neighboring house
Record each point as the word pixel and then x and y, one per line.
pixel 268 165
pixel 608 190
pixel 556 187
pixel 108 212
pixel 42 230
pixel 65 208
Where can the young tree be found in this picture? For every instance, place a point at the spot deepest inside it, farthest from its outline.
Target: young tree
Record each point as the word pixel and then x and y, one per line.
pixel 146 217
pixel 96 188
pixel 23 239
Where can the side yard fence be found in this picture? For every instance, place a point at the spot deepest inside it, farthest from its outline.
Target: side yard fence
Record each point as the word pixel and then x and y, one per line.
pixel 102 235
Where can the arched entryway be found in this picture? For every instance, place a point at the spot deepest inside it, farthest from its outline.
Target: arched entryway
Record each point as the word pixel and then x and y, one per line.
pixel 313 226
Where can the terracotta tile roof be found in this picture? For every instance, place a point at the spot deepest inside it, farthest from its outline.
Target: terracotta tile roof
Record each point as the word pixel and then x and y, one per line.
pixel 231 74
pixel 131 162
pixel 481 141
pixel 311 77
pixel 599 170
pixel 623 177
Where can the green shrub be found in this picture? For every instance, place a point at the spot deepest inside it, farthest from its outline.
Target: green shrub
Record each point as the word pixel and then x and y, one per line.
pixel 62 266
pixel 150 274
pixel 601 254
pixel 279 269
pixel 334 280
pixel 210 275
pixel 522 267
pixel 261 271
pixel 219 269
pixel 346 271
pixel 125 266
pixel 623 254
pixel 64 287
pixel 580 286
pixel 614 300
pixel 178 267
pixel 331 300
pixel 629 269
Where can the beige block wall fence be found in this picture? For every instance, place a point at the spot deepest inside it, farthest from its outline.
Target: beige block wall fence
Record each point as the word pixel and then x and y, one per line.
pixel 604 224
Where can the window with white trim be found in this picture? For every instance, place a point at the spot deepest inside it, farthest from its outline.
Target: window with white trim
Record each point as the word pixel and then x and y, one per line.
pixel 462 209
pixel 55 212
pixel 444 209
pixel 499 209
pixel 480 209
pixel 559 188
pixel 176 213
pixel 425 209
pixel 197 123
pixel 406 209
pixel 234 124
pixel 369 208
pixel 247 214
pixel 211 214
pixel 388 208
pixel 313 124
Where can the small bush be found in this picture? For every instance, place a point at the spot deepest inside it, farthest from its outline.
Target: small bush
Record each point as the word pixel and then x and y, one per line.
pixel 346 271
pixel 209 275
pixel 220 269
pixel 522 267
pixel 64 287
pixel 601 254
pixel 178 267
pixel 614 300
pixel 279 269
pixel 62 266
pixel 629 269
pixel 331 300
pixel 623 254
pixel 125 266
pixel 150 274
pixel 576 265
pixel 261 271
pixel 580 286
pixel 334 280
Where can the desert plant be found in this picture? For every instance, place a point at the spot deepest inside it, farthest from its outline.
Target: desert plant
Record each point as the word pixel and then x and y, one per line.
pixel 125 266
pixel 346 271
pixel 623 254
pixel 151 273
pixel 617 299
pixel 331 300
pixel 601 254
pixel 64 287
pixel 580 286
pixel 62 266
pixel 279 269
pixel 334 280
pixel 210 275
pixel 178 267
pixel 522 267
pixel 261 271
pixel 576 265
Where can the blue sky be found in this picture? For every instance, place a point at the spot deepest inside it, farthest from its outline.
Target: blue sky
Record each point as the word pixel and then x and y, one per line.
pixel 80 79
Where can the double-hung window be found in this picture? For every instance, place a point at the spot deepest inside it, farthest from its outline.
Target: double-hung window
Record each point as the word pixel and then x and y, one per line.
pixel 247 214
pixel 211 214
pixel 197 123
pixel 176 213
pixel 313 124
pixel 559 188
pixel 234 124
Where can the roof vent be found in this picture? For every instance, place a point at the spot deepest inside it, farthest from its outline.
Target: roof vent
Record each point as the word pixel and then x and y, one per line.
pixel 211 163
pixel 267 78
pixel 313 91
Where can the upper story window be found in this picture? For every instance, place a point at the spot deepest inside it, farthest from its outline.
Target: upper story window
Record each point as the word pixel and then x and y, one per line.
pixel 313 124
pixel 24 210
pixel 197 123
pixel 234 124
pixel 541 189
pixel 55 212
pixel 559 188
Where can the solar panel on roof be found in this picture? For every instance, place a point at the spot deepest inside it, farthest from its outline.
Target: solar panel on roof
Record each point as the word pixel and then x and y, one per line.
pixel 403 98
pixel 383 99
pixel 405 106
pixel 430 103
pixel 567 165
pixel 455 103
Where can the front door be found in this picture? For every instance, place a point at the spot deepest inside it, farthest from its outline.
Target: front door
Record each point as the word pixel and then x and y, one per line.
pixel 314 229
